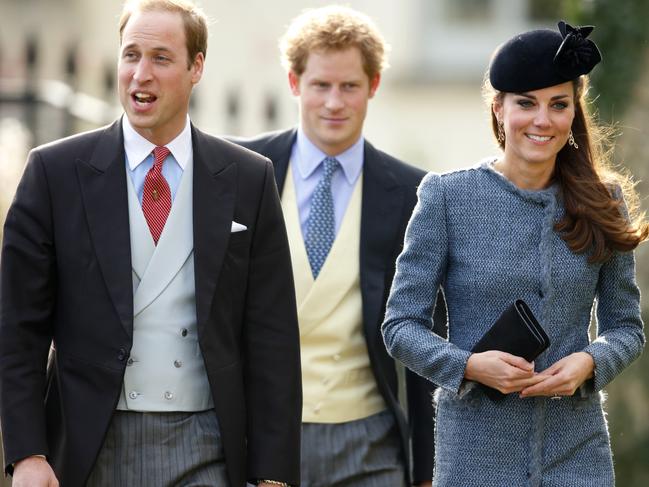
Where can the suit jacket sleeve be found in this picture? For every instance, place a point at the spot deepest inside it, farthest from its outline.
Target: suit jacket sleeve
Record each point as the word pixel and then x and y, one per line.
pixel 272 360
pixel 27 293
pixel 421 423
pixel 421 412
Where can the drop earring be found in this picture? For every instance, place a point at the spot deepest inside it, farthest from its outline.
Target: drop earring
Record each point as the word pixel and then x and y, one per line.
pixel 501 132
pixel 571 141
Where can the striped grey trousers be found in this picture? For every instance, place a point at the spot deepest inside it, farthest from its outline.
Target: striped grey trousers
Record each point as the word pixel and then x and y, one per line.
pixel 176 449
pixel 361 453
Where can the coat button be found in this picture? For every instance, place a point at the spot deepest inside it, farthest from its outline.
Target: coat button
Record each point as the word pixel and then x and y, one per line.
pixel 183 332
pixel 133 395
pixel 169 395
pixel 121 355
pixel 178 364
pixel 129 361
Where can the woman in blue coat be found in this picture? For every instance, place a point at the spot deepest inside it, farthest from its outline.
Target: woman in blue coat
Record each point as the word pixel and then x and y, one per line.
pixel 545 222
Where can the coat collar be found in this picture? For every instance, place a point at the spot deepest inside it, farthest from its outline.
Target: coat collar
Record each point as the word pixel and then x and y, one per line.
pixel 214 198
pixel 381 218
pixel 278 150
pixel 104 192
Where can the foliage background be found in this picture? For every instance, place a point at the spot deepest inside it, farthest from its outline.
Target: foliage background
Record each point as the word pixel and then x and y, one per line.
pixel 620 89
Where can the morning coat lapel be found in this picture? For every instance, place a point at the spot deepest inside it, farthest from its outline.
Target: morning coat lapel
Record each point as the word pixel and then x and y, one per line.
pixel 214 198
pixel 104 192
pixel 278 150
pixel 381 210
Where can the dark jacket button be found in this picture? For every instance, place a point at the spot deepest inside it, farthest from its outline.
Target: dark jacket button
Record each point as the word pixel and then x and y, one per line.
pixel 121 355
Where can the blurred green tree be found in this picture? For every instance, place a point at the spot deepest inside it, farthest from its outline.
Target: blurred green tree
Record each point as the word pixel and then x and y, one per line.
pixel 620 88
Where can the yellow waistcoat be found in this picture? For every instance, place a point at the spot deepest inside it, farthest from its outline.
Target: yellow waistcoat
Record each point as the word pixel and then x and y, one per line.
pixel 337 378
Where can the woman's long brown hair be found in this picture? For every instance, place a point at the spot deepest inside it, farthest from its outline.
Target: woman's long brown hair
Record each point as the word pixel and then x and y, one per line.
pixel 601 206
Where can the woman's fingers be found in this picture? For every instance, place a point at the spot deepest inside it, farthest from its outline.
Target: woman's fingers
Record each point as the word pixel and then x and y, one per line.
pixel 502 371
pixel 563 377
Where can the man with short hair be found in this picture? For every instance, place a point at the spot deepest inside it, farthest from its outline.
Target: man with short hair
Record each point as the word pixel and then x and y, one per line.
pixel 151 261
pixel 346 206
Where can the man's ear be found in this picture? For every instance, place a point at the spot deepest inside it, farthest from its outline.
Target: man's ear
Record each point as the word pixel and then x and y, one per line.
pixel 197 67
pixel 374 84
pixel 294 83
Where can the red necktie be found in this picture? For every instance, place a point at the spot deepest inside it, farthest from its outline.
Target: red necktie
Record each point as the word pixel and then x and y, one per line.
pixel 156 199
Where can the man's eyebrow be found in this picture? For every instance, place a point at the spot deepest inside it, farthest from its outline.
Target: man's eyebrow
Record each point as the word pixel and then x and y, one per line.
pixel 133 45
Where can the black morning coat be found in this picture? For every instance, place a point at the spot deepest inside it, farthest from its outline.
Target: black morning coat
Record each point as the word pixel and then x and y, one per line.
pixel 66 281
pixel 389 196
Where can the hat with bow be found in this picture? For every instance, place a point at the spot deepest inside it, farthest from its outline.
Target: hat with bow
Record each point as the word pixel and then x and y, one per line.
pixel 540 58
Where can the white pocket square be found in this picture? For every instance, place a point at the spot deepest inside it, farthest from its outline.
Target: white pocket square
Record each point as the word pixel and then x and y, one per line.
pixel 237 227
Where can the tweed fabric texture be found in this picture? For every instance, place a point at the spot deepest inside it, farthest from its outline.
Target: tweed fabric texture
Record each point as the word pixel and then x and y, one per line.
pixel 321 224
pixel 161 450
pixel 488 243
pixel 361 453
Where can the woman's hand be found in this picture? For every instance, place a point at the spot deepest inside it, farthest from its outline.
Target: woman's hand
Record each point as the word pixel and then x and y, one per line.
pixel 503 371
pixel 563 377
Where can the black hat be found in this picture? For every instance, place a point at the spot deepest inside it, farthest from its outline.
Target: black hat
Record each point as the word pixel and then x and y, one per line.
pixel 540 58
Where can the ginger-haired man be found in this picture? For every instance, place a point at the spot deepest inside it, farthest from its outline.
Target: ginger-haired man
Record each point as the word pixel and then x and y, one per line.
pixel 346 206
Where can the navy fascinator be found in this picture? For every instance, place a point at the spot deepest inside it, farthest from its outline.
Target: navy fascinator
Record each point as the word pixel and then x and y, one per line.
pixel 540 58
pixel 576 55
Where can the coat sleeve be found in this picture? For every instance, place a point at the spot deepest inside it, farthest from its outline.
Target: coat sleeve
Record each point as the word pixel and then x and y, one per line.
pixel 620 336
pixel 407 329
pixel 27 292
pixel 271 348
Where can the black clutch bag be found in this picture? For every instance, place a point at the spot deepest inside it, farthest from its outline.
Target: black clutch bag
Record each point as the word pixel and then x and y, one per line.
pixel 518 332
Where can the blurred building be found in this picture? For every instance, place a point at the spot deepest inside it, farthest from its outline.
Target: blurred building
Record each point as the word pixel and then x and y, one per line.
pixel 428 109
pixel 58 60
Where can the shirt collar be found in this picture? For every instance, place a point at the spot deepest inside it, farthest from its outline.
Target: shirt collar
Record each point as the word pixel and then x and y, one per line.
pixel 138 148
pixel 308 157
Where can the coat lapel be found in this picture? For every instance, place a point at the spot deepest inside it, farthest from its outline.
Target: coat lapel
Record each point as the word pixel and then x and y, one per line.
pixel 104 191
pixel 381 210
pixel 279 151
pixel 214 202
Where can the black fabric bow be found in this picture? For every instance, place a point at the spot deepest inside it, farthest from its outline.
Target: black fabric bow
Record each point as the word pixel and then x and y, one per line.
pixel 576 54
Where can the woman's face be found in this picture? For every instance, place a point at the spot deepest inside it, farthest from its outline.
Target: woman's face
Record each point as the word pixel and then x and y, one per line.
pixel 536 123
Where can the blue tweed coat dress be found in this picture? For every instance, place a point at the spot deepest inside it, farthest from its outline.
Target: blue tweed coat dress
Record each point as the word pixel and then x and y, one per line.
pixel 488 243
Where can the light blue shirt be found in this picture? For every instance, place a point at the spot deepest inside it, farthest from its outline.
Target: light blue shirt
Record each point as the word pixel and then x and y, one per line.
pixel 139 157
pixel 307 168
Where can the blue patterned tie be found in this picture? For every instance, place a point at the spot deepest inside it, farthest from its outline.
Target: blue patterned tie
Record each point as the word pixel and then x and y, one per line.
pixel 321 224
